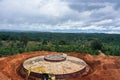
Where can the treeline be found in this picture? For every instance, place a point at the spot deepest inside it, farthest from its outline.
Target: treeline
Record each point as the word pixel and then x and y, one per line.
pixel 18 42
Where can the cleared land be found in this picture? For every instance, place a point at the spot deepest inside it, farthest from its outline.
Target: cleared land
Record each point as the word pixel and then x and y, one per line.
pixel 101 67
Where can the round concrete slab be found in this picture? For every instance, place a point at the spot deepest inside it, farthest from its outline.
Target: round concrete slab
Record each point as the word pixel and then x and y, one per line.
pixel 61 68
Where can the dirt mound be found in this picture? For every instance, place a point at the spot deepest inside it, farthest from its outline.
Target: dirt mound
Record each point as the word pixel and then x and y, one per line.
pixel 101 67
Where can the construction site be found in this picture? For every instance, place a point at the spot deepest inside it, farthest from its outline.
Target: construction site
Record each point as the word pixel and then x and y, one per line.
pixel 43 65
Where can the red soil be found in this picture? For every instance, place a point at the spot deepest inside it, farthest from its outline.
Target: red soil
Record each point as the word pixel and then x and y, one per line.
pixel 101 67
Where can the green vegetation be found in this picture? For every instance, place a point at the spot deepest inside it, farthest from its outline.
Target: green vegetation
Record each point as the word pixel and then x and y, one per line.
pixel 17 42
pixel 96 45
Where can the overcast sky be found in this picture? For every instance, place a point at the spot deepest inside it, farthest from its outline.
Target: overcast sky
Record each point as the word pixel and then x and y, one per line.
pixel 91 16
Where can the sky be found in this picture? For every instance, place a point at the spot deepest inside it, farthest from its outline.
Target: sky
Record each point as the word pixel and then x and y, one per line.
pixel 72 16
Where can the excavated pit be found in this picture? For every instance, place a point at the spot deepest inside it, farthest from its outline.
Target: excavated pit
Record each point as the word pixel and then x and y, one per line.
pixel 100 67
pixel 61 65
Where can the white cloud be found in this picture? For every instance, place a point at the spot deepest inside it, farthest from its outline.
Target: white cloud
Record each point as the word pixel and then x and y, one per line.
pixel 33 8
pixel 93 27
pixel 69 25
pixel 107 21
pixel 112 32
pixel 48 15
pixel 54 8
pixel 116 28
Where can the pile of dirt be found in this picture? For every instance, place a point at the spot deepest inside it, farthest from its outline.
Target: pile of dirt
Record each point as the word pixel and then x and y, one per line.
pixel 101 67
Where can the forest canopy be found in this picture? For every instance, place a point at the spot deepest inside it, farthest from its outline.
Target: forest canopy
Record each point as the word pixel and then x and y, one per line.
pixel 17 42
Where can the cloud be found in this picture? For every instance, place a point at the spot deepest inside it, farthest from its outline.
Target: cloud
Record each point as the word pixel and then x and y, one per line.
pixel 102 22
pixel 60 15
pixel 112 32
pixel 38 11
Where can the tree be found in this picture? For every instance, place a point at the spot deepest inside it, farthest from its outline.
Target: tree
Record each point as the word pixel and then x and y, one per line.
pixel 1 44
pixel 44 42
pixel 61 42
pixel 24 40
pixel 97 45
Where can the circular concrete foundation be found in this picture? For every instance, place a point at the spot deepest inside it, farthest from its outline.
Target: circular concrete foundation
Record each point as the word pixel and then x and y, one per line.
pixel 61 65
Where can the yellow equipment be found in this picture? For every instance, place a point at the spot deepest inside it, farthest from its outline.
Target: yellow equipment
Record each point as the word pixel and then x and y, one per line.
pixel 52 77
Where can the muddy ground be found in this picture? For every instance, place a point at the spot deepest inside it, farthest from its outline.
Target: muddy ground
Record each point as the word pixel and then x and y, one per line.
pixel 100 67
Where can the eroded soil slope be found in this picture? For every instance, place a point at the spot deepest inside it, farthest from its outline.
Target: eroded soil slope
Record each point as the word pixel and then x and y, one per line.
pixel 101 67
